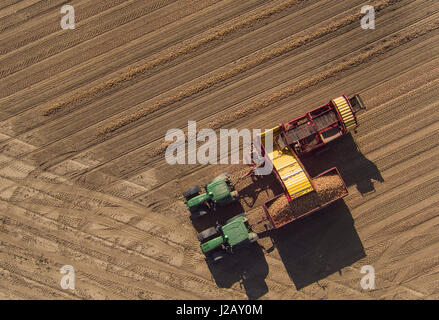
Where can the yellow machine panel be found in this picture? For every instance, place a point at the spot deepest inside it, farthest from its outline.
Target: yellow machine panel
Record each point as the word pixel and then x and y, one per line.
pixel 345 111
pixel 291 172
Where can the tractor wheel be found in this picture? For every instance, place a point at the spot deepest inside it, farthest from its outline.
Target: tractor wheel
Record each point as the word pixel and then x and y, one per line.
pixel 198 213
pixel 216 256
pixel 238 216
pixel 192 192
pixel 208 234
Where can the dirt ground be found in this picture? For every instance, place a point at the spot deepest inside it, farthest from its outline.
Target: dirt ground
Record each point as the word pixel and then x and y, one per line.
pixel 84 112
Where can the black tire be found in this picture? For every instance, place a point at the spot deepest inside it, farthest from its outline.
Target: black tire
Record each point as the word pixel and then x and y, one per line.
pixel 192 192
pixel 208 234
pixel 216 256
pixel 237 216
pixel 197 214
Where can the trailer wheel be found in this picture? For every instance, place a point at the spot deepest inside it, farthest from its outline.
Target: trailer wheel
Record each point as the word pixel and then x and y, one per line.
pixel 238 216
pixel 208 234
pixel 192 192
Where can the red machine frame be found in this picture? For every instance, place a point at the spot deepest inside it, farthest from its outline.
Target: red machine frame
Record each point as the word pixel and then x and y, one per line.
pixel 309 118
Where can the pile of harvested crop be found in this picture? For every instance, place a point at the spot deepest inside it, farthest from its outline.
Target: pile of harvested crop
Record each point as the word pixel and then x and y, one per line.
pixel 327 188
pixel 283 211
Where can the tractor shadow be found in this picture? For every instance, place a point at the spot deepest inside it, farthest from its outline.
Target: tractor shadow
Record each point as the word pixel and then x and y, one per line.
pixel 220 215
pixel 258 191
pixel 354 167
pixel 319 245
pixel 252 194
pixel 247 267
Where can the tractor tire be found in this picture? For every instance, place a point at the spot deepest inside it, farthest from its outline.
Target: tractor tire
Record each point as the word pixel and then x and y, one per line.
pixel 237 216
pixel 208 234
pixel 197 214
pixel 192 192
pixel 216 256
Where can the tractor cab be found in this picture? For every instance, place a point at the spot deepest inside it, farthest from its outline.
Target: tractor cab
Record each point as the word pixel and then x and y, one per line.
pixel 219 191
pixel 236 233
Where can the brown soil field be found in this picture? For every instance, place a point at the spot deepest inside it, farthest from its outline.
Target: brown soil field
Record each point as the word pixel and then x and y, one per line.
pixel 83 118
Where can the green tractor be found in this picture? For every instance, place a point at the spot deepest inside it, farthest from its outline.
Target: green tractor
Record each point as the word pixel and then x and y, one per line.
pixel 220 191
pixel 218 241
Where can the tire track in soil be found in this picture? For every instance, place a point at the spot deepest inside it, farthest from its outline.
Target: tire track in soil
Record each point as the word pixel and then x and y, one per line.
pixel 80 292
pixel 15 61
pixel 79 98
pixel 270 285
pixel 145 111
pixel 192 266
pixel 152 154
pixel 140 36
pixel 19 279
pixel 156 234
pixel 141 149
pixel 165 275
pixel 405 158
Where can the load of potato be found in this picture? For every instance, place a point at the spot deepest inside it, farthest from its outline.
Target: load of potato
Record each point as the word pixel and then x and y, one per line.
pixel 327 188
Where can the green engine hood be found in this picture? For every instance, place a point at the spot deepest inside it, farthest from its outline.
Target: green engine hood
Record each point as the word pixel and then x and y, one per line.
pixel 197 201
pixel 236 231
pixel 212 244
pixel 218 190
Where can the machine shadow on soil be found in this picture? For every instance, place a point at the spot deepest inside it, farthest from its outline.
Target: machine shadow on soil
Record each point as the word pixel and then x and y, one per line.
pixel 354 167
pixel 323 243
pixel 247 267
pixel 319 245
pixel 311 248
